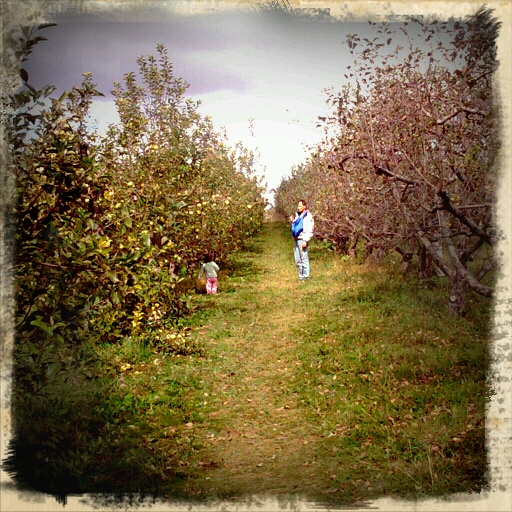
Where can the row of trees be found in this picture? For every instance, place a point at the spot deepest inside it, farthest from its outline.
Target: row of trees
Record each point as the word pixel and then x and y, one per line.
pixel 106 227
pixel 409 156
pixel 106 231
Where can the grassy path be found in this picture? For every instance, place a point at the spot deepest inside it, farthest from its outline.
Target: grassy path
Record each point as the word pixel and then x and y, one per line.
pixel 352 385
pixel 263 433
pixel 312 388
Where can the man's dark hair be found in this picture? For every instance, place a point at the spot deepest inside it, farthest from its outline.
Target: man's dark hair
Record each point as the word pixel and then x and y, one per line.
pixel 303 202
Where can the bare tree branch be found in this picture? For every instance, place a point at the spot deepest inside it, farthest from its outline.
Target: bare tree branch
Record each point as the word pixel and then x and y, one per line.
pixel 486 268
pixel 476 230
pixel 435 256
pixel 455 113
pixel 471 281
pixel 379 170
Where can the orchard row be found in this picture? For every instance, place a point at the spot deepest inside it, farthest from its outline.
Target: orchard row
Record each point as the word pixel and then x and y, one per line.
pixel 409 158
pixel 109 228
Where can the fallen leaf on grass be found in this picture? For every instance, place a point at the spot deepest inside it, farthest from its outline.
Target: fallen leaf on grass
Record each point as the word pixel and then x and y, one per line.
pixel 208 464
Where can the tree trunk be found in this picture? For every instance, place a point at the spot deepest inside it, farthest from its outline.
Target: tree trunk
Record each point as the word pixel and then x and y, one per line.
pixel 376 252
pixel 406 254
pixel 426 269
pixel 458 293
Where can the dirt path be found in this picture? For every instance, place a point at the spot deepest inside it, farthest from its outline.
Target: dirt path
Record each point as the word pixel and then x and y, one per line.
pixel 259 438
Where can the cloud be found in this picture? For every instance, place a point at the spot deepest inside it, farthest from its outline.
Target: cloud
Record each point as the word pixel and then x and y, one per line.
pixel 238 66
pixel 211 52
pixel 109 50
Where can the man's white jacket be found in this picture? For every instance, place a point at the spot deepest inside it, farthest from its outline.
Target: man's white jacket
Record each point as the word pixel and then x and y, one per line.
pixel 308 225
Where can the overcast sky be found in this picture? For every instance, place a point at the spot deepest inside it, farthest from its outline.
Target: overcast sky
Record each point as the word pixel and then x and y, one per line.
pixel 237 64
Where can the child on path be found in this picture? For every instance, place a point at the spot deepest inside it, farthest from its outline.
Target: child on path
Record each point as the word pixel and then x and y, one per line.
pixel 210 269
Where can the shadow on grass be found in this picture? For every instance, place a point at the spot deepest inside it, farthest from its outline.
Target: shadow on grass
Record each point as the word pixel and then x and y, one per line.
pixel 81 432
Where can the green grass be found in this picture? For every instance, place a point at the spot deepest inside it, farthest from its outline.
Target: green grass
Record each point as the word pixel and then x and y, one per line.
pixel 351 386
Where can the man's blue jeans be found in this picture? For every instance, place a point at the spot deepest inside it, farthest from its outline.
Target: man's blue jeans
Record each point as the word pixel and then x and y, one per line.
pixel 301 259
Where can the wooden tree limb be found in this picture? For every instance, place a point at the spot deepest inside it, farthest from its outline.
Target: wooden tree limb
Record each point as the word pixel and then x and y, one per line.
pixel 476 230
pixel 378 169
pixel 432 252
pixel 386 172
pixel 470 279
pixel 426 244
pixel 466 255
pixel 453 114
pixel 486 268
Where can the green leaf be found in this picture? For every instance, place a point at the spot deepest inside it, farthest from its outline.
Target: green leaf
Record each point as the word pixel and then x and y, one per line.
pixel 44 327
pixel 91 224
pixel 112 276
pixel 50 231
pixel 32 348
pixel 53 369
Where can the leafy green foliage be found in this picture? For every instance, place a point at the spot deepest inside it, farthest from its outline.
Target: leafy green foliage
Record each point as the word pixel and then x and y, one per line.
pixel 106 230
pixel 108 233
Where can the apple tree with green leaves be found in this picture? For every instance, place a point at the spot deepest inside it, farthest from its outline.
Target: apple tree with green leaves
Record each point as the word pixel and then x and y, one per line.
pixel 106 231
pixel 204 195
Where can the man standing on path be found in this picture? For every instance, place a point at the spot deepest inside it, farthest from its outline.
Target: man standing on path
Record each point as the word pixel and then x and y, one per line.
pixel 302 225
